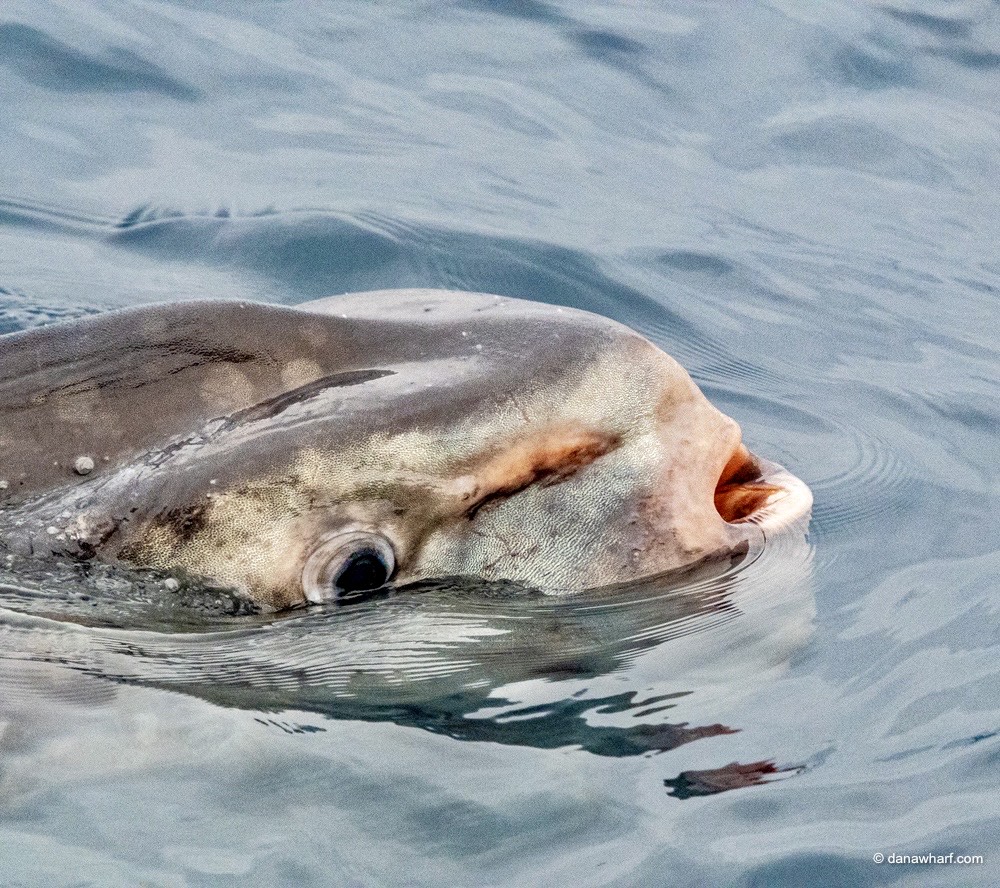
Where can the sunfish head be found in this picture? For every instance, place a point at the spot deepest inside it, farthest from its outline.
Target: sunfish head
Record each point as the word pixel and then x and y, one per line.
pixel 302 455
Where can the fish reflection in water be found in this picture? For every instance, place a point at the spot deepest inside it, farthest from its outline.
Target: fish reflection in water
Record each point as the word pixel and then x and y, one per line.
pixel 689 784
pixel 474 661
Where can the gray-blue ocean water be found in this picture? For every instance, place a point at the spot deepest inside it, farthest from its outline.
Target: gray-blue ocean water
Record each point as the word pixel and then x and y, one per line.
pixel 797 201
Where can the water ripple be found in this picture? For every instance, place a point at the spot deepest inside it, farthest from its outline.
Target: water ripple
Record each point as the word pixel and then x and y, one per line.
pixel 48 62
pixel 387 650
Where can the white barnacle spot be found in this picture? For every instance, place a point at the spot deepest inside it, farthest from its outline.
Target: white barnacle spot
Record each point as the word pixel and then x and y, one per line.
pixel 171 585
pixel 4 483
pixel 52 531
pixel 300 372
pixel 83 465
pixel 227 388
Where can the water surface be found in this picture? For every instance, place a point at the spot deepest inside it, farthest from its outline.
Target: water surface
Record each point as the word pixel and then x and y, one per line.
pixel 798 202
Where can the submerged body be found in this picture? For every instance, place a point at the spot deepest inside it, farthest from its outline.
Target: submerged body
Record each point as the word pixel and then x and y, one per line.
pixel 300 454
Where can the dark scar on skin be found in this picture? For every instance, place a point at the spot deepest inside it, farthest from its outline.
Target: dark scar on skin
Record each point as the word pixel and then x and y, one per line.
pixel 186 522
pixel 279 403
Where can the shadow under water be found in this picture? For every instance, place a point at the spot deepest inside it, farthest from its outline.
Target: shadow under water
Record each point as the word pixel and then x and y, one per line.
pixel 471 660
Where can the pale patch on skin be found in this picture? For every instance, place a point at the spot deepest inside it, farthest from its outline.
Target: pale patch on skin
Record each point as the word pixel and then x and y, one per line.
pixel 83 407
pixel 227 388
pixel 315 334
pixel 300 372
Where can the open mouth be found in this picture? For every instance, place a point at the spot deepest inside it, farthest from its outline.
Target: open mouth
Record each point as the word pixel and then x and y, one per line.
pixel 751 489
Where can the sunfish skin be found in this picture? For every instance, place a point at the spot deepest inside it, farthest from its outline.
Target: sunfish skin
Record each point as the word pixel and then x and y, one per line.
pixel 299 454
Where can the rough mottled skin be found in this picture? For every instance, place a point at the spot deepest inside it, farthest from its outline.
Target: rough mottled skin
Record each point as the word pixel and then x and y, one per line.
pixel 478 434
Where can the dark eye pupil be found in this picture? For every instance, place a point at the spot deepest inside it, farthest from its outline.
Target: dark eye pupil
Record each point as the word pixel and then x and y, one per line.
pixel 364 571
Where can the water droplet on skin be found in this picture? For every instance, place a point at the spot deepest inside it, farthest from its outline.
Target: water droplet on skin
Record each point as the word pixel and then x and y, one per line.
pixel 84 465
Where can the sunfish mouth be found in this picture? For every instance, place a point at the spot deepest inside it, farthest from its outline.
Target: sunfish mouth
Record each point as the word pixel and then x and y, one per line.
pixel 755 490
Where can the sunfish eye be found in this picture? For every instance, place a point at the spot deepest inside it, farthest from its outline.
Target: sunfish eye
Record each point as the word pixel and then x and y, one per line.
pixel 345 562
pixel 364 570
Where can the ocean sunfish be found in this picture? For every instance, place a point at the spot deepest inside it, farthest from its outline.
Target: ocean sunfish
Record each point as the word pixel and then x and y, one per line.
pixel 301 454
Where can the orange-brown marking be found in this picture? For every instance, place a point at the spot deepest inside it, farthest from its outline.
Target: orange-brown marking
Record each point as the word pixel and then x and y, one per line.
pixel 547 458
